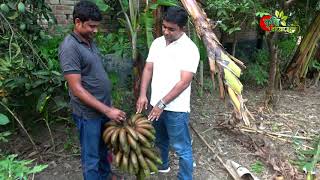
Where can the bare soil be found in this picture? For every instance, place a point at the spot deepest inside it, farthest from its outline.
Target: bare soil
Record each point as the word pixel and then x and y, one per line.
pixel 295 114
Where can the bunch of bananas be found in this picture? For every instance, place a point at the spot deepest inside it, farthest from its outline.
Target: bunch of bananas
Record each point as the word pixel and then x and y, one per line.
pixel 132 144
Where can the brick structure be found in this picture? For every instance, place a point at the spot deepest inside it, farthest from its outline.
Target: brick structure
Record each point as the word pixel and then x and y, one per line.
pixel 62 9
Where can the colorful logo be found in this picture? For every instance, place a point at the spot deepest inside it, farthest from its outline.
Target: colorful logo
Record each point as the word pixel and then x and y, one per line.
pixel 277 23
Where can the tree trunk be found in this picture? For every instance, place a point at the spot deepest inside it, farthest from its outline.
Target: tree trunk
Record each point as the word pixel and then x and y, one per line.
pixel 273 51
pixel 298 67
pixel 157 20
pixel 317 56
pixel 234 44
pixel 137 67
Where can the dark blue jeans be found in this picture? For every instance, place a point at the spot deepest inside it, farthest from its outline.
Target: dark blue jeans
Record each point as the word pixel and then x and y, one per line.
pixel 172 129
pixel 94 152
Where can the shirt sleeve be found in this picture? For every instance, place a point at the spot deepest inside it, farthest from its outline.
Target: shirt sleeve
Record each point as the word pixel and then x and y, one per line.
pixel 152 54
pixel 70 61
pixel 190 59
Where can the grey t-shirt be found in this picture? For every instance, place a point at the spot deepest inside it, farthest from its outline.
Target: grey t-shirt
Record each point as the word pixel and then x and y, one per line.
pixel 76 57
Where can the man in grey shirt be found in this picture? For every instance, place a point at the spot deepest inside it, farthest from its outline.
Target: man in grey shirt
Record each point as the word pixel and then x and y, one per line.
pixel 89 89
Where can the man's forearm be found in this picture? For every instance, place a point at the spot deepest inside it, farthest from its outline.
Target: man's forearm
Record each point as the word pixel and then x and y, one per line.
pixel 146 78
pixel 175 91
pixel 90 100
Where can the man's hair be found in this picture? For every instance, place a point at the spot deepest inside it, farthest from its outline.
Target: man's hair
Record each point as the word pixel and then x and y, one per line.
pixel 85 11
pixel 176 15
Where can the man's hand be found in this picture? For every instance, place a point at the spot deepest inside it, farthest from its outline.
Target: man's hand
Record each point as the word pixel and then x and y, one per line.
pixel 142 103
pixel 115 114
pixel 155 114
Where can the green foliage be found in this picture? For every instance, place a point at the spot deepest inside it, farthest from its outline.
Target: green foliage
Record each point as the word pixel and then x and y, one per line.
pixel 29 70
pixel 232 14
pixel 286 47
pixel 3 121
pixel 121 96
pixel 257 71
pixel 11 169
pixel 114 43
pixel 314 65
pixel 257 167
pixel 307 159
pixel 103 6
pixel 70 143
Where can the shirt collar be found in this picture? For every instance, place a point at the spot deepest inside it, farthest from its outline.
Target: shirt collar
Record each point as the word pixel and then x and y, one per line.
pixel 77 37
pixel 183 36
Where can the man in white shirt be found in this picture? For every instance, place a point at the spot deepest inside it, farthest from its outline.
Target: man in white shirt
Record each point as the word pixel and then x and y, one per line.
pixel 172 61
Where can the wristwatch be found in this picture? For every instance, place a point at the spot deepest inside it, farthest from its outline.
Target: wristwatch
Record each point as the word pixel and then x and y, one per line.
pixel 161 104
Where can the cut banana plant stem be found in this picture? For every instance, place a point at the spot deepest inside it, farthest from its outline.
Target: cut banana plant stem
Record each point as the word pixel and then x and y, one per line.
pixel 219 59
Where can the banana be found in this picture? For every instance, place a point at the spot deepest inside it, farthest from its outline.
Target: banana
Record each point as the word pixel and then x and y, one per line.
pixel 131 131
pixel 110 128
pixel 127 151
pixel 145 126
pixel 151 155
pixel 110 123
pixel 117 159
pixel 146 133
pixel 148 153
pixel 146 172
pixel 104 135
pixel 131 168
pixel 107 135
pixel 140 175
pixel 124 164
pixel 134 160
pixel 123 140
pixel 114 136
pixel 135 117
pixel 142 162
pixel 138 150
pixel 142 120
pixel 132 142
pixel 143 140
pixel 153 131
pixel 151 165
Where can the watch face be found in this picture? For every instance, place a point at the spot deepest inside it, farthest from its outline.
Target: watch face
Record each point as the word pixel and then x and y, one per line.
pixel 161 106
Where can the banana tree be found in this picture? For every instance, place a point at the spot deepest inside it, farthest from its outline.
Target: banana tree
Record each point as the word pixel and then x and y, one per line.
pixel 140 23
pixel 220 61
pixel 298 68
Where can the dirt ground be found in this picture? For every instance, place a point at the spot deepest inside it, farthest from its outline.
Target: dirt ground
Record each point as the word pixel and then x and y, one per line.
pixel 295 114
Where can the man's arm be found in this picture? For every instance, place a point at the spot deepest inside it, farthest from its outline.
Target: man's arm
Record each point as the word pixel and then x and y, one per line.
pixel 74 82
pixel 185 80
pixel 146 78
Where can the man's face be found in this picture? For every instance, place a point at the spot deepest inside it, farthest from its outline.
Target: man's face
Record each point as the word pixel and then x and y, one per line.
pixel 87 29
pixel 171 31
